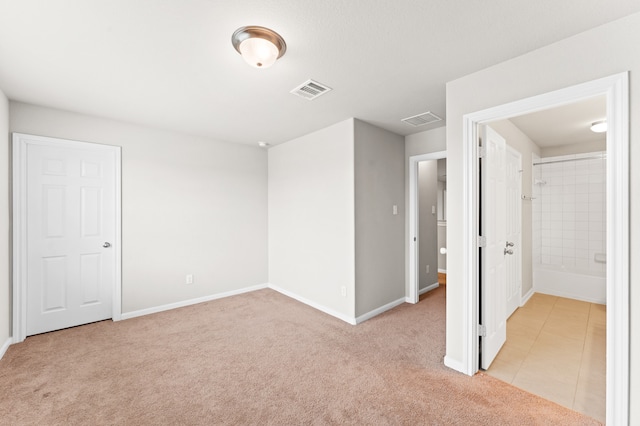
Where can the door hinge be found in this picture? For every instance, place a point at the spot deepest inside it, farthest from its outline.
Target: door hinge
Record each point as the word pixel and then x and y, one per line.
pixel 482 330
pixel 482 241
pixel 482 152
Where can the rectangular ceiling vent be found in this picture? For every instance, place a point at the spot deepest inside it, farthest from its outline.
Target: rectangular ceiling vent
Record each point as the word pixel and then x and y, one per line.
pixel 310 90
pixel 422 119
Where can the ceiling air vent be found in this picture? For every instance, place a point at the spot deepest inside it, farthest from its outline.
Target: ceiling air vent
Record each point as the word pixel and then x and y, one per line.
pixel 422 119
pixel 310 90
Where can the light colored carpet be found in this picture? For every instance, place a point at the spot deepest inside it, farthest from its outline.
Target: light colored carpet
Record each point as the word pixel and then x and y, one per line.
pixel 258 358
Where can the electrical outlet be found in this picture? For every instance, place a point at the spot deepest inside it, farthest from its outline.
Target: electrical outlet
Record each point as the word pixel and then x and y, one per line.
pixel 427 269
pixel 343 290
pixel 189 279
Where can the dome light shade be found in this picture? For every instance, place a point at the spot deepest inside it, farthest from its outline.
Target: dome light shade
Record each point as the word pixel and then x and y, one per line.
pixel 599 126
pixel 258 52
pixel 260 47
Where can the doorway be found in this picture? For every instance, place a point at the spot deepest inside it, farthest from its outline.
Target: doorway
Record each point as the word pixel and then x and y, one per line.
pixel 414 225
pixel 555 343
pixel 66 234
pixel 615 88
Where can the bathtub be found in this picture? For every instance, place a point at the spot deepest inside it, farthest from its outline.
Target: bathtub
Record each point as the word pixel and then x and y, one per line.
pixel 588 286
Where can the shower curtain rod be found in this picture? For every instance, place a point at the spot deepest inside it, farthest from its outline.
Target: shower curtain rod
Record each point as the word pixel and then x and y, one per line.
pixel 594 157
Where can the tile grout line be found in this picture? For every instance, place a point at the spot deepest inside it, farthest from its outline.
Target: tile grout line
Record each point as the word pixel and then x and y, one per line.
pixel 584 339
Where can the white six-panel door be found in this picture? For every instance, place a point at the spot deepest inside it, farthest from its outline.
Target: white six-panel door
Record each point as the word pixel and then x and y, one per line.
pixel 69 226
pixel 493 274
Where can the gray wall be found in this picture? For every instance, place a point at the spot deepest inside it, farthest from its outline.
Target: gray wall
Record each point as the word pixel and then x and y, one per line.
pixel 427 223
pixel 593 54
pixel 526 147
pixel 379 235
pixel 5 224
pixel 426 142
pixel 442 218
pixel 311 217
pixel 190 205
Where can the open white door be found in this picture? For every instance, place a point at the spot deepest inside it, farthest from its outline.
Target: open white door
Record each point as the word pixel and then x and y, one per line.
pixel 493 311
pixel 514 229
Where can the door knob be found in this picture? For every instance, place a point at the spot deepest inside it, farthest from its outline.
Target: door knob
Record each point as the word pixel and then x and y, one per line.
pixel 106 245
pixel 510 244
pixel 508 251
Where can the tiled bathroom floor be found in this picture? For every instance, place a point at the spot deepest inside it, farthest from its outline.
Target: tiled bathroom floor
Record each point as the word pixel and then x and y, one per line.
pixel 556 348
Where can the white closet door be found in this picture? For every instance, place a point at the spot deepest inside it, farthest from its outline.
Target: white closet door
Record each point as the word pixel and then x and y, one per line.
pixel 70 228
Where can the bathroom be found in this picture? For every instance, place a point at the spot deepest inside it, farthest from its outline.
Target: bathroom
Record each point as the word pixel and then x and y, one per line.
pixel 556 334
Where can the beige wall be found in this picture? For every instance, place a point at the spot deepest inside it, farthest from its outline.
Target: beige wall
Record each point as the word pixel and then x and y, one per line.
pixel 597 53
pixel 526 147
pixel 190 205
pixel 311 217
pixel 379 234
pixel 427 223
pixel 576 148
pixel 5 224
pixel 426 142
pixel 433 140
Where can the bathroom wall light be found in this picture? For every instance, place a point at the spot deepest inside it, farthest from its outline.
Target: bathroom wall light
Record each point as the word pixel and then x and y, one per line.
pixel 259 46
pixel 599 126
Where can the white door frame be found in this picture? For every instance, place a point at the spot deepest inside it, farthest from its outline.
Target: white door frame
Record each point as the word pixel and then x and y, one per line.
pixel 414 285
pixel 616 89
pixel 20 146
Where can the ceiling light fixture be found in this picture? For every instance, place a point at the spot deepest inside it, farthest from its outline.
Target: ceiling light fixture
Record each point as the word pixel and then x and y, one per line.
pixel 599 126
pixel 262 144
pixel 259 46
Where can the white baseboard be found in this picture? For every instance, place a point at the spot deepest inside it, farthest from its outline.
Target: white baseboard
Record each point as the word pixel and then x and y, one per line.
pixel 454 364
pixel 379 310
pixel 156 309
pixel 442 271
pixel 4 347
pixel 314 305
pixel 429 288
pixel 525 299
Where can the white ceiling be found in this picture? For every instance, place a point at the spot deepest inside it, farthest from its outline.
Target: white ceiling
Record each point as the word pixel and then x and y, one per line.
pixel 170 63
pixel 564 125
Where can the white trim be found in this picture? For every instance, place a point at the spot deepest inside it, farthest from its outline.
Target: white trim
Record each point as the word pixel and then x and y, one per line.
pixel 5 346
pixel 442 271
pixel 380 310
pixel 116 311
pixel 429 288
pixel 20 143
pixel 526 297
pixel 19 202
pixel 326 310
pixel 413 296
pixel 453 363
pixel 618 250
pixel 470 301
pixel 425 290
pixel 183 303
pixel 616 89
